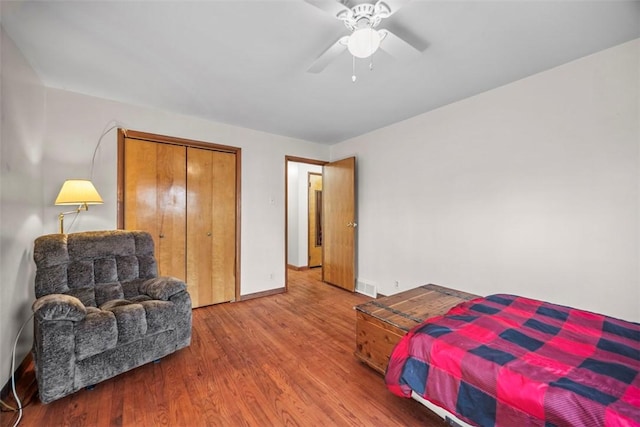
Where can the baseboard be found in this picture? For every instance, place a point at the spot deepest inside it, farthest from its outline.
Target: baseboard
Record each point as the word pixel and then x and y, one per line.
pixel 301 268
pixel 22 368
pixel 263 294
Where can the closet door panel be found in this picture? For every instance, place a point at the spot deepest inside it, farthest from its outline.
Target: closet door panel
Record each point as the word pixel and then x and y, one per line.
pixel 155 199
pixel 224 225
pixel 211 224
pixel 199 233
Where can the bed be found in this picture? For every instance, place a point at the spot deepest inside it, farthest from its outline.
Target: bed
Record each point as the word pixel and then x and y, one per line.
pixel 506 360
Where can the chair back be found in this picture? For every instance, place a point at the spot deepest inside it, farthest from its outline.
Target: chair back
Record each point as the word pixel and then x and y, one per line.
pixel 94 266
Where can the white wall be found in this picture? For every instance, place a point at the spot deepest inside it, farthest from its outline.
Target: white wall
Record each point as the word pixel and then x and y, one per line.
pixel 293 203
pixel 298 218
pixel 21 151
pixel 531 188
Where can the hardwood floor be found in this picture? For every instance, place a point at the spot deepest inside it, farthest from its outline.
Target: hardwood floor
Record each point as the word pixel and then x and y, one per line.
pixel 281 360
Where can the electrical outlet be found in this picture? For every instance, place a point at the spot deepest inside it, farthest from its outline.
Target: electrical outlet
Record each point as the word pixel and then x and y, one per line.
pixel 396 284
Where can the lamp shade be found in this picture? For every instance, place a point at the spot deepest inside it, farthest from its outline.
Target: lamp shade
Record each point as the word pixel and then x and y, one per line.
pixel 363 42
pixel 77 192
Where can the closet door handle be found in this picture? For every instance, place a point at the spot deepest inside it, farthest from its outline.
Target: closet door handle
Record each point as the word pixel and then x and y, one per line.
pixel 209 233
pixel 161 236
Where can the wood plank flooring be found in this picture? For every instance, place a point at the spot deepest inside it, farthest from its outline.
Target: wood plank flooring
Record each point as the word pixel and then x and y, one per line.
pixel 281 360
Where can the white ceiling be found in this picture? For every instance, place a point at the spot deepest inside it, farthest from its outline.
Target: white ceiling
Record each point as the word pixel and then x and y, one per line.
pixel 244 62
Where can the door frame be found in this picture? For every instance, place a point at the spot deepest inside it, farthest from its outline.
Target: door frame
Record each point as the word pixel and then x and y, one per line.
pixel 163 139
pixel 293 159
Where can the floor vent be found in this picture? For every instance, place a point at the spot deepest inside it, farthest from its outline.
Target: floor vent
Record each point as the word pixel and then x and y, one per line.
pixel 366 288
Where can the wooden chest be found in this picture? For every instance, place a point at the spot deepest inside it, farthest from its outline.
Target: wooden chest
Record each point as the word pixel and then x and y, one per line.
pixel 382 322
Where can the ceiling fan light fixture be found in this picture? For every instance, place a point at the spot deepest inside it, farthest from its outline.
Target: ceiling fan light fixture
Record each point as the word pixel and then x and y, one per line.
pixel 363 42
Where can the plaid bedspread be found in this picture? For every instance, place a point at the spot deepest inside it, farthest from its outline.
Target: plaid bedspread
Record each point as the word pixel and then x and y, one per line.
pixel 511 361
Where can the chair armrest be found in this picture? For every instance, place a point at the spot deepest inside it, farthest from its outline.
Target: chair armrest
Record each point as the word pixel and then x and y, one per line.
pixel 59 307
pixel 162 288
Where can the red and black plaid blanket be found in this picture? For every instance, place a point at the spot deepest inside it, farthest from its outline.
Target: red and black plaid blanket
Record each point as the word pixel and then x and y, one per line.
pixel 511 361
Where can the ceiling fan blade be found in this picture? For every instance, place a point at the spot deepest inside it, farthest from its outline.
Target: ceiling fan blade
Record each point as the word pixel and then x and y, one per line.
pixel 398 47
pixel 392 5
pixel 329 55
pixel 334 7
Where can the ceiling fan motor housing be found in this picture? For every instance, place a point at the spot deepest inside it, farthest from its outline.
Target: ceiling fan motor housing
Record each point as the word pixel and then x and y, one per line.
pixel 364 15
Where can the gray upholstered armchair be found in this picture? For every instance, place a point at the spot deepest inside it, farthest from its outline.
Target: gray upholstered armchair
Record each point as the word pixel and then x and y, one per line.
pixel 101 309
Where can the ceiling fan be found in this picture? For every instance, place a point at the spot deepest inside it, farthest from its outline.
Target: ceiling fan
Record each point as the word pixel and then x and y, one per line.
pixel 364 39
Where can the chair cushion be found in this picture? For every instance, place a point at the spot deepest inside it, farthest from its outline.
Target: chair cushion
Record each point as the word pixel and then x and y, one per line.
pixel 51 280
pixel 80 274
pixel 140 298
pixel 105 270
pixel 141 316
pixel 162 288
pixel 131 319
pixel 131 288
pixel 161 315
pixel 86 295
pixel 106 292
pixel 96 333
pixel 128 267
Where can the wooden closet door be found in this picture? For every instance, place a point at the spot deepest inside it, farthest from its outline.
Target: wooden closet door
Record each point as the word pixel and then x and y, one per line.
pixel 211 226
pixel 155 200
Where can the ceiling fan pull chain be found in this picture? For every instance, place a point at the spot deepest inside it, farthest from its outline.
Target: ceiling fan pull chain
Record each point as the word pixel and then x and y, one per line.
pixel 371 63
pixel 353 75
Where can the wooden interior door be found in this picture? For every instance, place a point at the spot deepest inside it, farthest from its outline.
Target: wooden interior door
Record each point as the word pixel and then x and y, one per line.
pixel 155 199
pixel 211 226
pixel 339 228
pixel 315 219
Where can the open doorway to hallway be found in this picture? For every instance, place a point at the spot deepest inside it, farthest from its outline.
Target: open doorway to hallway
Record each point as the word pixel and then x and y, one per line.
pixel 335 229
pixel 304 214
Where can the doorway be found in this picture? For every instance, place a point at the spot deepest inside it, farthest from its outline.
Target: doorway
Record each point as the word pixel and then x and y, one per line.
pixel 337 226
pixel 304 210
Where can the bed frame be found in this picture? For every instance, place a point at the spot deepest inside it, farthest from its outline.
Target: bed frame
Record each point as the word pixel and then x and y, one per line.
pixel 447 416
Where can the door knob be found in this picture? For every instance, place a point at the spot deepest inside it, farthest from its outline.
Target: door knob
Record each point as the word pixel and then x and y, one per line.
pixel 209 234
pixel 161 236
